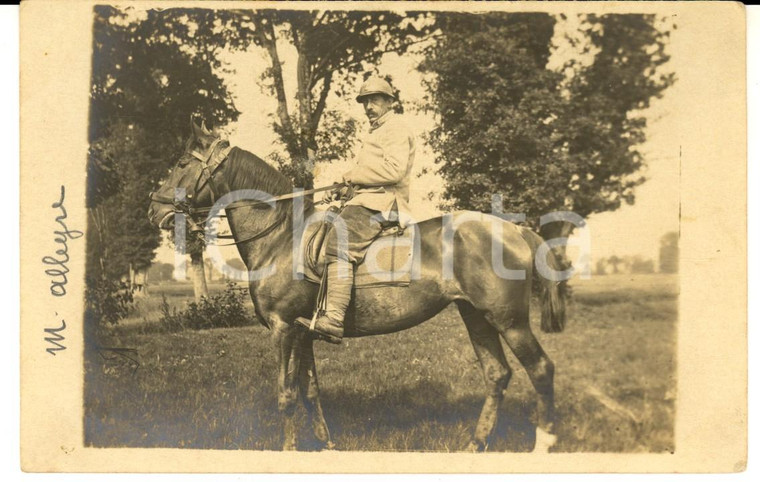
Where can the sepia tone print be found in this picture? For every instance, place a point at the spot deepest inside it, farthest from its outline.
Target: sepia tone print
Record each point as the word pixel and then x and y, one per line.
pixel 498 108
pixel 438 229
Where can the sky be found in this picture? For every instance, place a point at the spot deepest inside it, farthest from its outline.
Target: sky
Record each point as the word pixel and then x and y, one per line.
pixel 631 230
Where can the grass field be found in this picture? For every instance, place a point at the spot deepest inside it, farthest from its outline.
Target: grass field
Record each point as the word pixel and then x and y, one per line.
pixel 419 390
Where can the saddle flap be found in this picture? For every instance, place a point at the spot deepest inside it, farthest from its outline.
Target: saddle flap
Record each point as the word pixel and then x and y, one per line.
pixel 388 260
pixel 314 246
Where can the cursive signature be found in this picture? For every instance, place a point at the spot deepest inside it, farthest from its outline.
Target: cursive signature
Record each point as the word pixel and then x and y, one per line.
pixel 58 261
pixel 55 337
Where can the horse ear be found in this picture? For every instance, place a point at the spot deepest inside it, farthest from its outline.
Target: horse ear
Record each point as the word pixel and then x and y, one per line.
pixel 194 129
pixel 204 130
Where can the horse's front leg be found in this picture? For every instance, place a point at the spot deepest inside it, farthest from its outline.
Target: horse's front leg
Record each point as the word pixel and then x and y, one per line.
pixel 289 360
pixel 310 393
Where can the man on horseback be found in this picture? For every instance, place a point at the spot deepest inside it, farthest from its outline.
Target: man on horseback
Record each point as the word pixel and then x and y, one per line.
pixel 376 195
pixel 494 307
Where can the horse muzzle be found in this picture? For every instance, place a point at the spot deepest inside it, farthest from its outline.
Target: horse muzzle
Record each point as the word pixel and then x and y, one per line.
pixel 167 222
pixel 161 216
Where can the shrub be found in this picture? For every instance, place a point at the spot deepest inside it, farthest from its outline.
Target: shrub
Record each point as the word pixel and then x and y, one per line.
pixel 106 301
pixel 223 310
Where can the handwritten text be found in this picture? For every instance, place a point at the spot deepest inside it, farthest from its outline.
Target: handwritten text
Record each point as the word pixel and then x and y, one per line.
pixel 55 337
pixel 58 261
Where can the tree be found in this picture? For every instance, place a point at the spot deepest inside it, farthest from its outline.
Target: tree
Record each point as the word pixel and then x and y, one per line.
pixel 495 100
pixel 233 267
pixel 604 121
pixel 152 70
pixel 639 265
pixel 510 125
pixel 669 252
pixel 150 74
pixel 196 247
pixel 615 262
pixel 161 272
pixel 333 48
pixel 122 240
pixel 601 266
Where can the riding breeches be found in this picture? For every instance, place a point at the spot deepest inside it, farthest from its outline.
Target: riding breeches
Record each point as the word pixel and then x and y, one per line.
pixel 352 233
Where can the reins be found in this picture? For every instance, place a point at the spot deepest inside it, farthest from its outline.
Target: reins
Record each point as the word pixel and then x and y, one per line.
pixel 282 197
pixel 253 237
pixel 184 207
pixel 275 224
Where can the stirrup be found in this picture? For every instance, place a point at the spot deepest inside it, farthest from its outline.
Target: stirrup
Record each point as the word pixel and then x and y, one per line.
pixel 307 324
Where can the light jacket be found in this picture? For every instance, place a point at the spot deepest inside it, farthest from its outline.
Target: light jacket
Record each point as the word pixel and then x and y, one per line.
pixel 384 166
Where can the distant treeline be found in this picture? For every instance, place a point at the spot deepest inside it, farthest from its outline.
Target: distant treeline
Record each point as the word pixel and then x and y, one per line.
pixel 162 272
pixel 668 262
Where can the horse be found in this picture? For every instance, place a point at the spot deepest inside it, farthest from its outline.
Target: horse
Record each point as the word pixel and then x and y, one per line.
pixel 491 306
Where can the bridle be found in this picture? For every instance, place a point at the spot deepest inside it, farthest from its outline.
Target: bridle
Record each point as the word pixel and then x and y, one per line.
pixel 209 166
pixel 205 176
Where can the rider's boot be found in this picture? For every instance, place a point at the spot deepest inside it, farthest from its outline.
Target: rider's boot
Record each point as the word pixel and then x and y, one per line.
pixel 330 325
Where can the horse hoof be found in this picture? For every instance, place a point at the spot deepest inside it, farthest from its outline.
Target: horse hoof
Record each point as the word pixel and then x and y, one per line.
pixel 329 445
pixel 544 441
pixel 289 447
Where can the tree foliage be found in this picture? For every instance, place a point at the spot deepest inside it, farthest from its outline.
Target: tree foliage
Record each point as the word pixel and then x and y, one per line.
pixel 510 125
pixel 152 70
pixel 160 272
pixel 605 120
pixel 150 74
pixel 334 48
pixel 155 71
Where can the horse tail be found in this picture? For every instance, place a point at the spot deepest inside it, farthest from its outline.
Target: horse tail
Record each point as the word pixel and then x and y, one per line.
pixel 553 304
pixel 553 293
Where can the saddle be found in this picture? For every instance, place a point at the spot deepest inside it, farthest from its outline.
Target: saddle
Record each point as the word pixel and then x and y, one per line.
pixel 389 260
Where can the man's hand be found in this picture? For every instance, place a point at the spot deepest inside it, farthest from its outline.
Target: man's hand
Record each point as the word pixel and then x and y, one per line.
pixel 329 196
pixel 339 192
pixel 345 192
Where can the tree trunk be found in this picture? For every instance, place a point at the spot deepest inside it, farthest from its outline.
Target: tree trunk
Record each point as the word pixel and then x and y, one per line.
pixel 200 288
pixel 298 142
pixel 209 270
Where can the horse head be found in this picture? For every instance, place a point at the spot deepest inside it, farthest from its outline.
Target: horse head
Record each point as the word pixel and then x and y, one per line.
pixel 190 183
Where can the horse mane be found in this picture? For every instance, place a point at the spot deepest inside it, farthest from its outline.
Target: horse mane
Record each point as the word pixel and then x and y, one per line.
pixel 246 170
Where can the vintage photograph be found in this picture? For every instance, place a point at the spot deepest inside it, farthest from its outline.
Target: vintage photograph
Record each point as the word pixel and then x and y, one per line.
pixel 435 119
pixel 382 228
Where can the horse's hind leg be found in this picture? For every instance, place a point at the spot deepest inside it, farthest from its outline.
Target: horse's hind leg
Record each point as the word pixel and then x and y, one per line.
pixel 496 372
pixel 309 388
pixel 541 372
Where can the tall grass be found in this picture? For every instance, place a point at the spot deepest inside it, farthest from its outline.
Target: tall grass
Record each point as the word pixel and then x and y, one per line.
pixel 418 390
